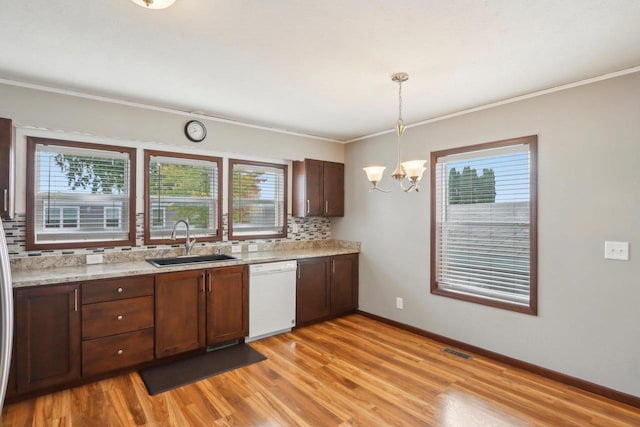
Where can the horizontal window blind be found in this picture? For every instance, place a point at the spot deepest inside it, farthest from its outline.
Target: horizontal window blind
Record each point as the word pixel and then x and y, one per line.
pixel 258 199
pixel 80 194
pixel 483 223
pixel 183 188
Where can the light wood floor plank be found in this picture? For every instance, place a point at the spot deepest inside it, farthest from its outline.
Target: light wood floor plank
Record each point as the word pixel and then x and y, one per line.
pixel 352 371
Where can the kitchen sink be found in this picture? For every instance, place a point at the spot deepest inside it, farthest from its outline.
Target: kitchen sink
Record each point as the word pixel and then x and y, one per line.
pixel 183 260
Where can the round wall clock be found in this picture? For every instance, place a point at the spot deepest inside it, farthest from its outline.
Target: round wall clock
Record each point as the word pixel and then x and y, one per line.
pixel 195 130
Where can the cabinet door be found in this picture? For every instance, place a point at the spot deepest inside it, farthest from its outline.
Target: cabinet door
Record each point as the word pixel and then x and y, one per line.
pixel 344 284
pixel 312 290
pixel 227 304
pixel 5 166
pixel 333 189
pixel 308 196
pixel 180 312
pixel 47 336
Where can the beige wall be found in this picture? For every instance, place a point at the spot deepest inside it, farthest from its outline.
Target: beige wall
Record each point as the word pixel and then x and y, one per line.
pixel 41 113
pixel 589 191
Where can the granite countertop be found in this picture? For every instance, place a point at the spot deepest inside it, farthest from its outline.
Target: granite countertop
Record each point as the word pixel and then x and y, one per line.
pixel 46 276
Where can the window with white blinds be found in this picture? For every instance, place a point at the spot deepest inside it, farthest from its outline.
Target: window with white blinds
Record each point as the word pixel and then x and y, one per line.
pixel 257 200
pixel 181 186
pixel 80 194
pixel 484 224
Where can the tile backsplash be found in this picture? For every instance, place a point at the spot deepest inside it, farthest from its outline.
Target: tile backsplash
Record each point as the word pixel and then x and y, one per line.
pixel 299 230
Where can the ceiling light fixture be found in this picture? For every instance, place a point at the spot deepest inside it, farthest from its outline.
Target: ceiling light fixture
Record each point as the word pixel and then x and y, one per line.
pixel 412 170
pixel 154 4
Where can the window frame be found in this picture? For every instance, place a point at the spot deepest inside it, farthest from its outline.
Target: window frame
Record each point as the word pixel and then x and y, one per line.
pixel 284 214
pixel 532 307
pixel 148 240
pixel 30 244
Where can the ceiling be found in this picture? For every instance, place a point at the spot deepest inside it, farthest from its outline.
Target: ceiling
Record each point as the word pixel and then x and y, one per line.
pixel 318 68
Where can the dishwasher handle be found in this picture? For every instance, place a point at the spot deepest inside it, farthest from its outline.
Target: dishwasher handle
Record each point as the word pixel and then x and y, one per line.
pixel 272 268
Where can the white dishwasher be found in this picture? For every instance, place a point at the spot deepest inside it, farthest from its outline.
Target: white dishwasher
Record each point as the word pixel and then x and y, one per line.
pixel 272 298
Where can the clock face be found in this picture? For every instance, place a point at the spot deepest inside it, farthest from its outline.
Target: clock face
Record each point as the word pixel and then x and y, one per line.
pixel 195 131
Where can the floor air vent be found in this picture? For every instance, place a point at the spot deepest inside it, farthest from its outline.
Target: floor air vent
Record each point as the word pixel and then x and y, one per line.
pixel 457 353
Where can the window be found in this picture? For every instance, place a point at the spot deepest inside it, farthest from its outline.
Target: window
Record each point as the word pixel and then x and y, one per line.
pixel 483 224
pixel 112 217
pixel 61 217
pixel 257 200
pixel 182 186
pixel 80 194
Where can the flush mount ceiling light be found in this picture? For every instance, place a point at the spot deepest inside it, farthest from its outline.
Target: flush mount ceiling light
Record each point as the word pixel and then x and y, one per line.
pixel 411 170
pixel 154 4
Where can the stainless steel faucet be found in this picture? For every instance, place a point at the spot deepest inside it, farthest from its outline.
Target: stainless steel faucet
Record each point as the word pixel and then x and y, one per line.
pixel 188 243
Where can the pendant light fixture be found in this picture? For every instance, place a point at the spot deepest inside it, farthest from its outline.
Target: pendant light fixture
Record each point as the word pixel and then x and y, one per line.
pixel 154 4
pixel 411 170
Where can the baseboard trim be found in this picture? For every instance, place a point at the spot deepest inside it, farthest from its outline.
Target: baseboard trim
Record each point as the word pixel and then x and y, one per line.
pixel 544 372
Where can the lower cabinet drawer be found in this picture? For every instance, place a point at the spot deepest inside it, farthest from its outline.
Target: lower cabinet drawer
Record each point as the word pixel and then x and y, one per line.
pixel 116 317
pixel 117 351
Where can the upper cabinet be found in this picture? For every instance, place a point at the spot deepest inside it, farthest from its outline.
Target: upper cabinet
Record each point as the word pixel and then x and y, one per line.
pixel 318 188
pixel 6 135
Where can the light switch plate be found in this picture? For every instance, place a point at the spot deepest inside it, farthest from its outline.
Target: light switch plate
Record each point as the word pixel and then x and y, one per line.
pixel 236 249
pixel 616 250
pixel 253 248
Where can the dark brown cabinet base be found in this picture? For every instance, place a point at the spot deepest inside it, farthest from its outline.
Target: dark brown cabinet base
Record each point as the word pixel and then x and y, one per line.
pixel 47 336
pixel 227 304
pixel 326 287
pixel 180 312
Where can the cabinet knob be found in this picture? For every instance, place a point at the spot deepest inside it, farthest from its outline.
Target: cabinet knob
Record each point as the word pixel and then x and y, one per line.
pixel 120 352
pixel 119 290
pixel 119 317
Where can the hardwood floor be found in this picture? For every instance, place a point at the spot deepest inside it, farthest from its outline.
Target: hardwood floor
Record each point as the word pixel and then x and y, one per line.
pixel 353 371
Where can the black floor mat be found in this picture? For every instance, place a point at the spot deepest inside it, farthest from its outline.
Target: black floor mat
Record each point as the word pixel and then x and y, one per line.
pixel 172 375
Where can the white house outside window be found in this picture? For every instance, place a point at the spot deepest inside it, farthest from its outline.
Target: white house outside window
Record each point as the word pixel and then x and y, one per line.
pixel 181 186
pixel 483 224
pixel 257 200
pixel 75 188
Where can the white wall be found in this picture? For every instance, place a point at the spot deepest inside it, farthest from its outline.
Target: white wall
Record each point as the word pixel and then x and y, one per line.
pixel 588 324
pixel 46 114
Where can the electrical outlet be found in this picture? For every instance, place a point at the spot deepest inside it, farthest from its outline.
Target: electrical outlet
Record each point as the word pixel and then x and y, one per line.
pixel 253 248
pixel 236 249
pixel 94 259
pixel 399 303
pixel 616 250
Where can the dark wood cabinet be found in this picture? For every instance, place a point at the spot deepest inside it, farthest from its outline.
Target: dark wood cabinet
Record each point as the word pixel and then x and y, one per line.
pixel 6 136
pixel 227 304
pixel 117 324
pixel 180 312
pixel 326 287
pixel 47 336
pixel 333 188
pixel 344 284
pixel 313 298
pixel 200 308
pixel 318 188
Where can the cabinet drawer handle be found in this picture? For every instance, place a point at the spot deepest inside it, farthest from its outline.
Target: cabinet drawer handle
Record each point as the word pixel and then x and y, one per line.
pixel 120 352
pixel 333 265
pixel 326 206
pixel 75 300
pixel 119 317
pixel 5 204
pixel 308 208
pixel 119 290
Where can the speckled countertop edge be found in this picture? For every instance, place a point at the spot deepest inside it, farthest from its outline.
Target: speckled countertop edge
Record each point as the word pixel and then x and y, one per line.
pixel 47 276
